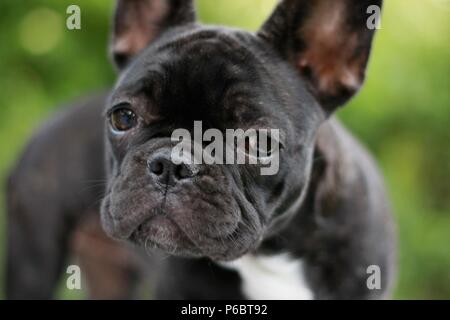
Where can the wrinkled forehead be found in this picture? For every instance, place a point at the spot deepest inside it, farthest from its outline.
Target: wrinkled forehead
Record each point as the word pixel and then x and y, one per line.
pixel 203 69
pixel 198 54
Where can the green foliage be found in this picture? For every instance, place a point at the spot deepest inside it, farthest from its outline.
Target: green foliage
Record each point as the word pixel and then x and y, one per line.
pixel 402 114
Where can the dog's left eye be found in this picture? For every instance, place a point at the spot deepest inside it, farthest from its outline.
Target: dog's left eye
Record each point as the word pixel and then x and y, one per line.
pixel 123 119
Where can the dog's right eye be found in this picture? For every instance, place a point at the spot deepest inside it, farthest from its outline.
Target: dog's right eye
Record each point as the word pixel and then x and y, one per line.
pixel 123 119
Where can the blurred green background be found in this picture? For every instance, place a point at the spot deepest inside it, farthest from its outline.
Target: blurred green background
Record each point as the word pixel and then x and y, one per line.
pixel 402 114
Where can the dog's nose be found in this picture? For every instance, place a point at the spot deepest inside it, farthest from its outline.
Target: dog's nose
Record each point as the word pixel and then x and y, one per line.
pixel 167 172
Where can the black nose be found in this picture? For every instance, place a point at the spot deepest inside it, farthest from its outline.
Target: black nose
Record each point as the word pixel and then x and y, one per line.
pixel 167 172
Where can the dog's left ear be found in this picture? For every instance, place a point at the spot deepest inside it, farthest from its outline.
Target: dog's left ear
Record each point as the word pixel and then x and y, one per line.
pixel 139 22
pixel 327 41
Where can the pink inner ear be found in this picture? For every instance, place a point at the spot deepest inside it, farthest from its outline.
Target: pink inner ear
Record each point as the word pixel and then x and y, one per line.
pixel 330 57
pixel 138 23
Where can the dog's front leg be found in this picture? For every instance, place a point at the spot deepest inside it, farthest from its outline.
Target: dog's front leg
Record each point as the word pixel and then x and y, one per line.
pixel 37 245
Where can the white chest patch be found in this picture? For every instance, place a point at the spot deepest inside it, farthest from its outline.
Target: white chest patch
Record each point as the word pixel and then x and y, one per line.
pixel 271 277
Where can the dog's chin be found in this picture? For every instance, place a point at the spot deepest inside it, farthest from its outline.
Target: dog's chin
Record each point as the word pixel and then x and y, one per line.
pixel 161 234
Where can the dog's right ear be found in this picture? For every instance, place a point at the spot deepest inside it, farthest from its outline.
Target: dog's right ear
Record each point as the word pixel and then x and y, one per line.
pixel 139 22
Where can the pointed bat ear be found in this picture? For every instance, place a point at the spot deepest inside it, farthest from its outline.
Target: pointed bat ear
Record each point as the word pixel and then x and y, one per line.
pixel 327 41
pixel 139 22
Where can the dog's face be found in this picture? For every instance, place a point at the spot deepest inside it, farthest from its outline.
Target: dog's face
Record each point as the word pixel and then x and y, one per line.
pixel 219 77
pixel 179 72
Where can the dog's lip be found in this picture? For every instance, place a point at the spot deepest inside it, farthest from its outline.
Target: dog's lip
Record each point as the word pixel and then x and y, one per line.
pixel 140 234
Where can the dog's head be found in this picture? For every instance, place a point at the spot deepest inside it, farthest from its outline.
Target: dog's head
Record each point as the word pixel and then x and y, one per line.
pixel 307 59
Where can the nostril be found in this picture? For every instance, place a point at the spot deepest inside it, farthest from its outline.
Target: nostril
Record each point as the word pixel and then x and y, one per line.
pixel 183 172
pixel 156 167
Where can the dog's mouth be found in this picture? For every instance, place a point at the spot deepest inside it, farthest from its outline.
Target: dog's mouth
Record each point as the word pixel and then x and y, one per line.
pixel 210 219
pixel 163 234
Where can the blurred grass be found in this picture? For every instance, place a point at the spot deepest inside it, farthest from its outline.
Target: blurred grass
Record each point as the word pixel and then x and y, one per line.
pixel 402 113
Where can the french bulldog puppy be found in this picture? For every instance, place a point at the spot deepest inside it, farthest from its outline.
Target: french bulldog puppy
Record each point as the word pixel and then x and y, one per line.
pixel 316 229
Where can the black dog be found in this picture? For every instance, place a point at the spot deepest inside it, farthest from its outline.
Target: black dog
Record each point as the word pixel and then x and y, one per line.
pixel 310 231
